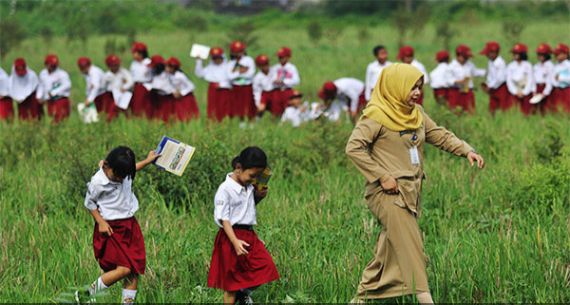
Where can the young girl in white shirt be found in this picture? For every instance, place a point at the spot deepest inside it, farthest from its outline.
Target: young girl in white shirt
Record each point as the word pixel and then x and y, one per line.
pixel 118 243
pixel 141 101
pixel 441 78
pixel 542 72
pixel 23 85
pixel 185 106
pixel 561 78
pixel 520 81
pixel 240 261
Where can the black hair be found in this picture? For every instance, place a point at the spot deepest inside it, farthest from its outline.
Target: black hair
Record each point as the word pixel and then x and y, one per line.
pixel 523 56
pixel 377 49
pixel 159 68
pixel 250 157
pixel 122 161
pixel 547 56
pixel 144 53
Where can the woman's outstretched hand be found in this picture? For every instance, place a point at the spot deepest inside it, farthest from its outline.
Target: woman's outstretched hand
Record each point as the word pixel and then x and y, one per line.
pixel 390 186
pixel 472 157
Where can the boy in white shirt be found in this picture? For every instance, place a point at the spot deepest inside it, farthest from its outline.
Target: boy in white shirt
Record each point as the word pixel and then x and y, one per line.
pixel 520 80
pixel 463 71
pixel 284 77
pixel 561 78
pixel 542 73
pixel 240 70
pixel 297 112
pixel 406 55
pixel 441 78
pixel 262 87
pixel 54 89
pixel 496 83
pixel 119 84
pixel 23 85
pixel 218 84
pixel 374 69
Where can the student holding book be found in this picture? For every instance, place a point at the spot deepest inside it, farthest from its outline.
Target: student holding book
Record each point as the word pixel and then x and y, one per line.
pixel 118 82
pixel 23 85
pixel 118 242
pixel 240 261
pixel 387 147
pixel 218 84
pixel 185 106
pixel 464 71
pixel 54 89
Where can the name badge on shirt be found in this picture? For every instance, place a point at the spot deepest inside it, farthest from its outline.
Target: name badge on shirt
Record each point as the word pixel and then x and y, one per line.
pixel 414 155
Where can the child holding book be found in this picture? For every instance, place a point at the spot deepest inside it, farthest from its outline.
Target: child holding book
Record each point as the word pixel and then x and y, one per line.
pixel 118 242
pixel 240 261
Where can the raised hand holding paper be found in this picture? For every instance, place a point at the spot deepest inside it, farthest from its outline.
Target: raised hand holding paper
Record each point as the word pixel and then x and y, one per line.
pixel 199 51
pixel 174 155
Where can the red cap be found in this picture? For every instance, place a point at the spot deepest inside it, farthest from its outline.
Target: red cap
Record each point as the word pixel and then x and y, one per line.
pixel 113 60
pixel 83 62
pixel 173 62
pixel 543 48
pixel 442 55
pixel 20 66
pixel 561 48
pixel 519 48
pixel 138 47
pixel 216 52
pixel 237 46
pixel 295 94
pixel 328 90
pixel 405 51
pixel 463 50
pixel 491 46
pixel 156 60
pixel 284 52
pixel 51 60
pixel 262 60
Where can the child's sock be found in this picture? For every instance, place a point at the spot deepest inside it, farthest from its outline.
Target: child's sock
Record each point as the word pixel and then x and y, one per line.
pixel 129 296
pixel 97 286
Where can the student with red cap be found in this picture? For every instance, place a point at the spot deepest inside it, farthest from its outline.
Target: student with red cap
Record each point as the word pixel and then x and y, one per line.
pixel 496 82
pixel 348 91
pixel 262 86
pixel 219 84
pixel 374 69
pixel 542 73
pixel 240 71
pixel 118 83
pixel 561 78
pixel 140 104
pixel 54 89
pixel 23 85
pixel 441 78
pixel 284 77
pixel 6 107
pixel 185 106
pixel 162 90
pixel 463 71
pixel 520 80
pixel 406 55
pixel 95 91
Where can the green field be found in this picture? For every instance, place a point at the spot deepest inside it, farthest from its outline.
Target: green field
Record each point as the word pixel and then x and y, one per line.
pixel 497 235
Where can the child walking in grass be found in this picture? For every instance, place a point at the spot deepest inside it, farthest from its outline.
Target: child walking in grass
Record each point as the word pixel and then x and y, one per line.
pixel 240 261
pixel 118 242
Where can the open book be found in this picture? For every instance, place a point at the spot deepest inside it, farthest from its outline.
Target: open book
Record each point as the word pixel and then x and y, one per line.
pixel 199 51
pixel 175 155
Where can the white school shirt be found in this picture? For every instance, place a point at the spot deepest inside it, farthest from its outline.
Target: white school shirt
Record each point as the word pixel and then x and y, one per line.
pixel 57 83
pixel 467 70
pixel 261 82
pixel 140 71
pixel 295 116
pixel 441 77
pixel 4 83
pixel 373 71
pixel 213 73
pixel 181 83
pixel 94 83
pixel 241 79
pixel 161 83
pixel 542 73
pixel 348 91
pixel 234 203
pixel 114 200
pixel 562 70
pixel 120 81
pixel 21 87
pixel 422 69
pixel 496 73
pixel 520 77
pixel 332 113
pixel 287 73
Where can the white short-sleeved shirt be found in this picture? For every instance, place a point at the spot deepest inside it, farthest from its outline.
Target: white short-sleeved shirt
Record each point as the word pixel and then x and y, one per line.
pixel 114 200
pixel 295 115
pixel 235 203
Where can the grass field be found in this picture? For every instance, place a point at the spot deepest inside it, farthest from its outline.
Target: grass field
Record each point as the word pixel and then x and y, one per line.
pixel 497 235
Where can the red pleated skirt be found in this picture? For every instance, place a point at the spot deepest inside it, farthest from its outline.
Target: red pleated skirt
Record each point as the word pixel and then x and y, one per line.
pixel 524 103
pixel 464 100
pixel 30 108
pixel 212 107
pixel 140 102
pixel 231 272
pixel 499 99
pixel 125 247
pixel 267 99
pixel 242 104
pixel 561 98
pixel 6 108
pixel 59 109
pixel 546 104
pixel 186 107
pixel 105 103
pixel 440 94
pixel 278 101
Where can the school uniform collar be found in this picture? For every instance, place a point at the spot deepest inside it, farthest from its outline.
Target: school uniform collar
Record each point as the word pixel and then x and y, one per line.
pixel 103 177
pixel 234 185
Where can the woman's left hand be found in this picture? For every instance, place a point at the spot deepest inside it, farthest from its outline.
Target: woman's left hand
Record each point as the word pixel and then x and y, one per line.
pixel 472 157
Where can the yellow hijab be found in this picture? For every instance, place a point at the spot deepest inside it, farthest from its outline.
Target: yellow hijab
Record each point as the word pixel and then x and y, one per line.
pixel 388 104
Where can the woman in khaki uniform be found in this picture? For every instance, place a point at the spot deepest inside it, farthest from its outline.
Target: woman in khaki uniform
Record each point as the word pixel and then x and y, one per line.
pixel 387 147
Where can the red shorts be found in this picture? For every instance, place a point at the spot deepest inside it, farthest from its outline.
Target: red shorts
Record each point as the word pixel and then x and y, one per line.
pixel 231 272
pixel 186 107
pixel 6 108
pixel 30 108
pixel 125 247
pixel 59 109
